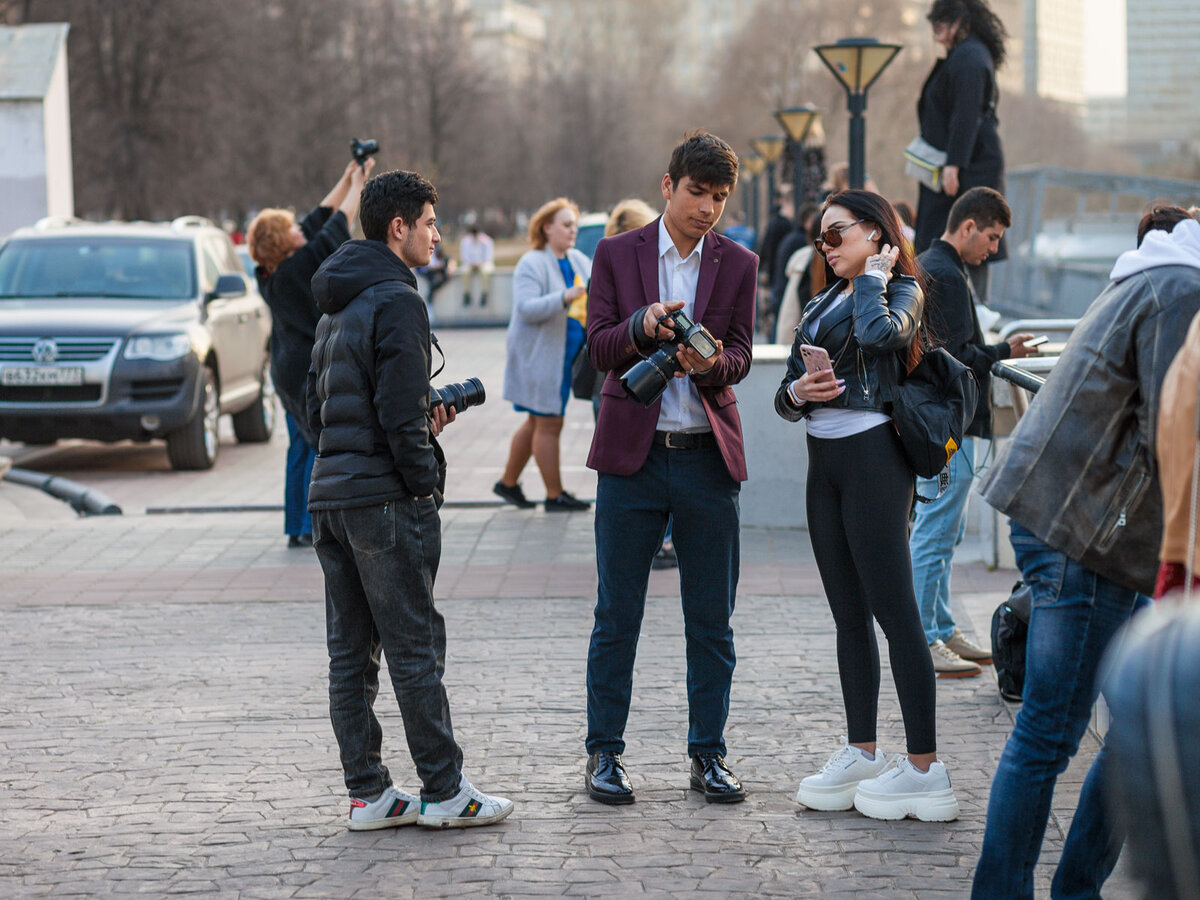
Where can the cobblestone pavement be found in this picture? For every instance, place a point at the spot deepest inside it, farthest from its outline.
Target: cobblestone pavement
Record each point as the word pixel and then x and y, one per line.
pixel 164 728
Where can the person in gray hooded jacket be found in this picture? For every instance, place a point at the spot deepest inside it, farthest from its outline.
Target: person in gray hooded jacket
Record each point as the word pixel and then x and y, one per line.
pixel 1079 484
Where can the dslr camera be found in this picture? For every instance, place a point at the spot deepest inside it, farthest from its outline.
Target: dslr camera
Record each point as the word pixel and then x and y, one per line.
pixel 648 378
pixel 458 396
pixel 363 149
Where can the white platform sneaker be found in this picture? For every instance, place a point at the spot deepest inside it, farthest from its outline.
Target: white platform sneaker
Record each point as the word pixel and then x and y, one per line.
pixel 905 790
pixel 834 786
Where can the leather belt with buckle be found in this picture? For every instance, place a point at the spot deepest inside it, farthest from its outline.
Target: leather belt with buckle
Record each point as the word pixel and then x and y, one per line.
pixel 685 440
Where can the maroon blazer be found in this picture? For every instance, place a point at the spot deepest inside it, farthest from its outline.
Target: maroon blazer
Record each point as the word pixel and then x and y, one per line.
pixel 624 282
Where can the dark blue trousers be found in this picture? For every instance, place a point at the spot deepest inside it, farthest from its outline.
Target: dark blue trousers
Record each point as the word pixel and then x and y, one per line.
pixel 300 458
pixel 695 488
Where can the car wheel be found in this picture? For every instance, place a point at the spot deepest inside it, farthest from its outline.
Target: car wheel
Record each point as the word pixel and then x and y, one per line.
pixel 195 445
pixel 254 424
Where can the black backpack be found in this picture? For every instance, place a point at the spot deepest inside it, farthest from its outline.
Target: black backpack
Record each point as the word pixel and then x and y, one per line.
pixel 932 409
pixel 1010 627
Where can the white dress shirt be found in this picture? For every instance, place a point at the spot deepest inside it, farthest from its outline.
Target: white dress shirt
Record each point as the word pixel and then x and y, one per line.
pixel 682 409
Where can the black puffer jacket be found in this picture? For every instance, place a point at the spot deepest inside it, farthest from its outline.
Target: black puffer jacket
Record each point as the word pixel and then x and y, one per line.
pixel 866 337
pixel 368 387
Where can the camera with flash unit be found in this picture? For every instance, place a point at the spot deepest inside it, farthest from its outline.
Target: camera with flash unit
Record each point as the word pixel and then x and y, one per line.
pixel 648 378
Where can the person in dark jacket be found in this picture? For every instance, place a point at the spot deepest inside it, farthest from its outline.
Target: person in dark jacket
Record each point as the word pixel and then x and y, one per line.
pixel 957 113
pixel 287 254
pixel 977 222
pixel 1080 487
pixel 859 491
pixel 376 489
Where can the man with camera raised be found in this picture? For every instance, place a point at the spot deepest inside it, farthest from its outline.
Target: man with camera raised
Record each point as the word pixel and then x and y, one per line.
pixel 376 489
pixel 675 451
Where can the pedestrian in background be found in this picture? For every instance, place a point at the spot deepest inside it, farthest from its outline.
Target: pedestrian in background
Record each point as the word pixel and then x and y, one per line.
pixel 377 487
pixel 545 332
pixel 957 114
pixel 1080 487
pixel 287 255
pixel 975 227
pixel 860 489
pixel 476 254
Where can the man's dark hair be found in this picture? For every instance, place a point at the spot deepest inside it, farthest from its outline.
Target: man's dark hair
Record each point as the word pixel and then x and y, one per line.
pixel 390 195
pixel 1160 218
pixel 704 158
pixel 982 204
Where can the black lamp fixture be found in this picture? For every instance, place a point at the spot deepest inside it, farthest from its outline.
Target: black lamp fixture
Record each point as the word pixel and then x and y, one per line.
pixel 754 164
pixel 857 63
pixel 797 121
pixel 770 148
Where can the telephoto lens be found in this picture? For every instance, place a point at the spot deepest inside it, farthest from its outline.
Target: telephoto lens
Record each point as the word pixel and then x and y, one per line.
pixel 458 396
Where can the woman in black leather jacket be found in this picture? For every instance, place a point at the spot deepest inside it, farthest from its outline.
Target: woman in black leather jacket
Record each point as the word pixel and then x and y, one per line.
pixel 859 492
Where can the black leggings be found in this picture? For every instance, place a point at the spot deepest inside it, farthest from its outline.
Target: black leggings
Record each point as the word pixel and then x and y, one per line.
pixel 859 493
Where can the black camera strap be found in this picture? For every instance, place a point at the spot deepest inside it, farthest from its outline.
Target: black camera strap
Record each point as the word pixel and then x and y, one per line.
pixel 434 341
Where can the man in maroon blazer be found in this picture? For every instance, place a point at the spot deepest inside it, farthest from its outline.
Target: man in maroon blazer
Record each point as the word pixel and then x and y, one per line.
pixel 679 457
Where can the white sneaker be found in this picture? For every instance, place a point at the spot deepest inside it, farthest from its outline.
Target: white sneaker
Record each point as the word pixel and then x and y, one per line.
pixel 467 808
pixel 393 808
pixel 904 790
pixel 834 785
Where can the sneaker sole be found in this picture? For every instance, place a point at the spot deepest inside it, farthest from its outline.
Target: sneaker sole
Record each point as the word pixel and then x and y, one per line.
pixel 934 806
pixel 961 673
pixel 828 799
pixel 376 824
pixel 461 821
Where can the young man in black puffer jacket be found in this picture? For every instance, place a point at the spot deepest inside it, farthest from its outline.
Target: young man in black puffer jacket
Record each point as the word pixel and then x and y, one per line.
pixel 375 493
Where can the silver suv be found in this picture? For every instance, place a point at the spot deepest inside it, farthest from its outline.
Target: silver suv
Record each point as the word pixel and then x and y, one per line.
pixel 115 331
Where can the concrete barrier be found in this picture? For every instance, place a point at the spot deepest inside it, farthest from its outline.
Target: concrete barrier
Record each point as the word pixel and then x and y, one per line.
pixel 776 450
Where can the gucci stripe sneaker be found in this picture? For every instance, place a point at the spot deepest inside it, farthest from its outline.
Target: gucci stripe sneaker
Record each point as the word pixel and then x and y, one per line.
pixel 392 809
pixel 465 809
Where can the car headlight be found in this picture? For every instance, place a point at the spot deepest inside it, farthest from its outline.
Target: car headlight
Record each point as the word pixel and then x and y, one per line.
pixel 161 347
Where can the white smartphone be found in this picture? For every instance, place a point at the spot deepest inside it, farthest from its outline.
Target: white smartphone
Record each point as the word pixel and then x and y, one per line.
pixel 1037 341
pixel 815 359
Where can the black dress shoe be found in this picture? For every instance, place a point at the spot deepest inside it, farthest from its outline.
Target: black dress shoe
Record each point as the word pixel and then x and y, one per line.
pixel 606 779
pixel 715 780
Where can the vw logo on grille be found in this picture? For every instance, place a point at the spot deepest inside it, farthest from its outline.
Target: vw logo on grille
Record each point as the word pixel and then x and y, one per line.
pixel 45 351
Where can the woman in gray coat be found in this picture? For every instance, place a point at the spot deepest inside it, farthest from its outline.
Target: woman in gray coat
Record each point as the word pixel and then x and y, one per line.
pixel 545 332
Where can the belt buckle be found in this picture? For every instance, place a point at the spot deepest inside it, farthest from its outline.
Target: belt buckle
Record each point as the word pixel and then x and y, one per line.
pixel 672 446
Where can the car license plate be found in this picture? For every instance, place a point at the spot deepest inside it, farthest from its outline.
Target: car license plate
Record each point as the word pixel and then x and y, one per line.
pixel 37 376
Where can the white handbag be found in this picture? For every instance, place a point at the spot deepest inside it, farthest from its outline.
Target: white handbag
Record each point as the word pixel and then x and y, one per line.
pixel 924 162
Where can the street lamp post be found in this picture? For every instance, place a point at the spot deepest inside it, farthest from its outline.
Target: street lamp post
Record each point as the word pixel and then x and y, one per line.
pixel 754 164
pixel 769 147
pixel 856 63
pixel 796 122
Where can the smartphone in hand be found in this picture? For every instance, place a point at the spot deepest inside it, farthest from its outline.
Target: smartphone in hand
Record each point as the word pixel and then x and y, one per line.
pixel 1037 341
pixel 815 359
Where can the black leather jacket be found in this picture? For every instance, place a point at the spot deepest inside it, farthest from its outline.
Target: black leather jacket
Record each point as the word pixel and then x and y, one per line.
pixel 368 388
pixel 867 338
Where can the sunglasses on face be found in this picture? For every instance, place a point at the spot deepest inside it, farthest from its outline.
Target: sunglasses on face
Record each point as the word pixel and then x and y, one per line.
pixel 832 237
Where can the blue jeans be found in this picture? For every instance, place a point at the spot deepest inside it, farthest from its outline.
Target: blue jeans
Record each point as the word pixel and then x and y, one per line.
pixel 380 563
pixel 1074 617
pixel 695 489
pixel 300 456
pixel 936 531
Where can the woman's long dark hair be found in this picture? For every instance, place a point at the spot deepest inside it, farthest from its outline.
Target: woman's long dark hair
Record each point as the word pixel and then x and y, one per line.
pixel 879 211
pixel 978 19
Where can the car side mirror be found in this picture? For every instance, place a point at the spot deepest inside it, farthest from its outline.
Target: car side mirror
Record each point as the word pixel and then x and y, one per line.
pixel 228 287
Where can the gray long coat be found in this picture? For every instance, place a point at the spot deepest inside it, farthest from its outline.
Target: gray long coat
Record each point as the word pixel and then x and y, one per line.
pixel 537 331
